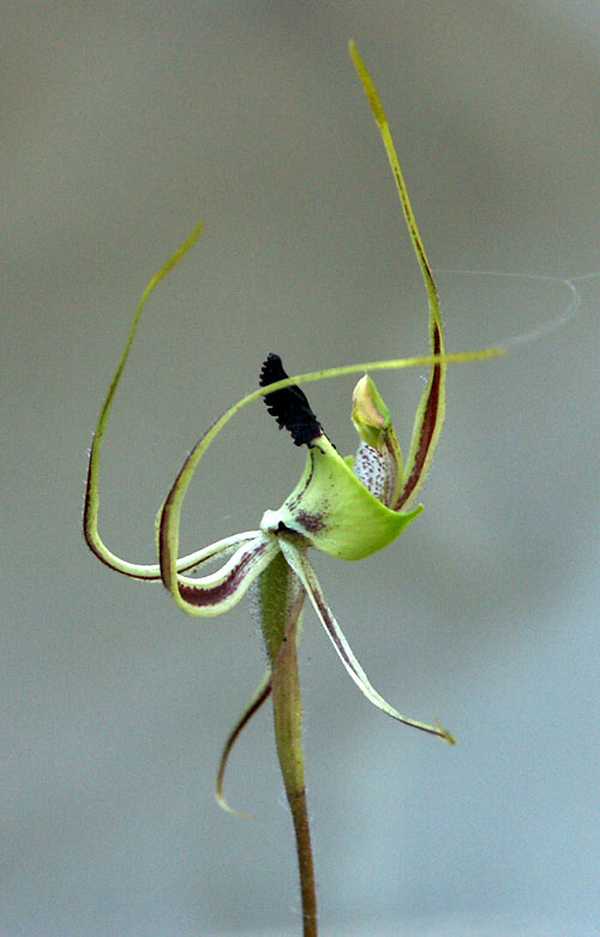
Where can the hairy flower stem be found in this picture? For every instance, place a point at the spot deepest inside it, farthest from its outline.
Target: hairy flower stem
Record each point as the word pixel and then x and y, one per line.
pixel 281 599
pixel 287 706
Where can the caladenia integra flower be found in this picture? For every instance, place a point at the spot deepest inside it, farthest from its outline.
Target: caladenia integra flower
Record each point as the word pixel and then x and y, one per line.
pixel 347 507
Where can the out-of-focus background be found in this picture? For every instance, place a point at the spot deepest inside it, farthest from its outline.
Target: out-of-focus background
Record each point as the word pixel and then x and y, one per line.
pixel 122 125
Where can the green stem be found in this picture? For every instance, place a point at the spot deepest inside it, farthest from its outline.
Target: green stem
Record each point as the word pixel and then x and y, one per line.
pixel 282 598
pixel 287 707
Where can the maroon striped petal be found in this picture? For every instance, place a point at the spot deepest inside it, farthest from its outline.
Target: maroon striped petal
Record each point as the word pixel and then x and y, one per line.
pixel 303 569
pixel 220 591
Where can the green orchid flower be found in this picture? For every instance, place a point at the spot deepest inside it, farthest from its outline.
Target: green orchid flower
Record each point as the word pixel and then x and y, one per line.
pixel 347 507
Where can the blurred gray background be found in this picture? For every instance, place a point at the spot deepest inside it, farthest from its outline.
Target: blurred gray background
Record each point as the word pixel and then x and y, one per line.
pixel 121 126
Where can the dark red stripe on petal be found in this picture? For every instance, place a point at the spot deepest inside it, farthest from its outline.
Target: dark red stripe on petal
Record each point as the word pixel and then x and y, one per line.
pixel 327 617
pixel 206 596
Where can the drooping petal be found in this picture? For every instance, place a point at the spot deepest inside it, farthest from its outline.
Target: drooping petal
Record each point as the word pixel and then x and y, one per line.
pixel 298 561
pixel 334 510
pixel 220 591
pixel 261 694
pixel 213 551
pixel 430 414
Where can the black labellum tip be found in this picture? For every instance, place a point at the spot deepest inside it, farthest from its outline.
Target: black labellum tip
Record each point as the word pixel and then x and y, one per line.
pixel 289 406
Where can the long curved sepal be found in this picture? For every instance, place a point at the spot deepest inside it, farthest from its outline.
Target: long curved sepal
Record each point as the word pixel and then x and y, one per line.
pixel 429 418
pixel 303 569
pixel 261 695
pixel 92 492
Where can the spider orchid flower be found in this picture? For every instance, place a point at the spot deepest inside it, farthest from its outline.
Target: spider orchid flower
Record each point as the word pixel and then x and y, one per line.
pixel 347 507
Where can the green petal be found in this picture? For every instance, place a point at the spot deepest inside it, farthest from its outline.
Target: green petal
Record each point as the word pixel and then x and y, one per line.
pixel 301 566
pixel 334 511
pixel 217 592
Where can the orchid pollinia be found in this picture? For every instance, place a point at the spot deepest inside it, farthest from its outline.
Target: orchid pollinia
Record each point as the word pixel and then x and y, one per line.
pixel 347 507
